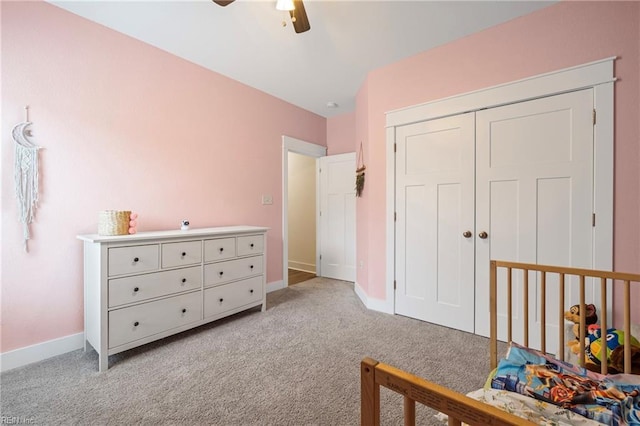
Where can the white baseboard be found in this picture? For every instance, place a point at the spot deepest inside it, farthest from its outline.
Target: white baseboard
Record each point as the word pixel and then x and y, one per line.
pixel 373 304
pixel 38 352
pixel 301 266
pixel 275 285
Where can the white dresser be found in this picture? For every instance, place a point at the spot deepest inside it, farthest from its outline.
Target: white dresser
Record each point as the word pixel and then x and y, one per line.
pixel 143 287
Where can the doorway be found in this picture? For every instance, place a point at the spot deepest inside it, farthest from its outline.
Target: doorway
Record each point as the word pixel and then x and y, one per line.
pixel 301 211
pixel 295 146
pixel 334 210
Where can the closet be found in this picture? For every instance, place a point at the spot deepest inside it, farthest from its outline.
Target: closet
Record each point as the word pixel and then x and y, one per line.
pixel 511 182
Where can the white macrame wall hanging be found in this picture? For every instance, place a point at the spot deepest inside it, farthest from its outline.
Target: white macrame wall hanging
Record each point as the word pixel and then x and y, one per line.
pixel 26 176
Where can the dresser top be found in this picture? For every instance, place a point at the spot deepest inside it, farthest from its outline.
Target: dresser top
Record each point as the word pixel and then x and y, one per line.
pixel 175 233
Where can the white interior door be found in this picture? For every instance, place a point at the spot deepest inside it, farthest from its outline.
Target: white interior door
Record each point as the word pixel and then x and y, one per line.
pixel 534 199
pixel 337 216
pixel 435 221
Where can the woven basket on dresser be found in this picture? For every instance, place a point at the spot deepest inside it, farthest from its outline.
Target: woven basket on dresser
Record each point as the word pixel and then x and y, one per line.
pixel 114 222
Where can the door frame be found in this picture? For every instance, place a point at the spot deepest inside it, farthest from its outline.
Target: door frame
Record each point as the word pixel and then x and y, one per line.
pixel 598 75
pixel 309 149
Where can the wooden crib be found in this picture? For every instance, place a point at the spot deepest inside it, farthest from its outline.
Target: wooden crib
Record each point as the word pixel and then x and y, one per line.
pixel 460 408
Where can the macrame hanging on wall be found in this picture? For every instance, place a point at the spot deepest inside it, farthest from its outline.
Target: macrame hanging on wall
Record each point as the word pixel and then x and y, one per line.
pixel 360 173
pixel 26 176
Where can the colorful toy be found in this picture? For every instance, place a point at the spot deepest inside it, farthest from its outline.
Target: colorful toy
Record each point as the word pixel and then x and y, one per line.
pixel 573 315
pixel 613 338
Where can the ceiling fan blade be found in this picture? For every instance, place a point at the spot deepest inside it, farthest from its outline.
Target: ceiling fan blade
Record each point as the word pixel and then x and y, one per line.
pixel 223 2
pixel 299 17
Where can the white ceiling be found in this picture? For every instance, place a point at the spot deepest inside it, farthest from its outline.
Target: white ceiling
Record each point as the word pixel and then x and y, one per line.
pixel 247 42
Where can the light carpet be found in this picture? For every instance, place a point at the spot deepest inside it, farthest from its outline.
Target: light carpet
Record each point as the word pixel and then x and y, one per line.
pixel 298 363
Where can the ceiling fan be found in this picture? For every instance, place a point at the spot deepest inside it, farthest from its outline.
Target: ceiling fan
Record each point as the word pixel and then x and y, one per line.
pixel 298 14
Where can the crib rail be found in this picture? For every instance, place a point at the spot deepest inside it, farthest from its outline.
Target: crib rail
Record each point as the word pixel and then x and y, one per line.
pixel 606 278
pixel 458 407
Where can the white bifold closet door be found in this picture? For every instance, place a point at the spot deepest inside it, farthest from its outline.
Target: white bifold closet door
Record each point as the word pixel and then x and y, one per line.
pixel 534 199
pixel 509 183
pixel 434 209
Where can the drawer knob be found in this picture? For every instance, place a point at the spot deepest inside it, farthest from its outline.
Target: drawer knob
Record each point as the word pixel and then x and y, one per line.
pixel 251 291
pixel 136 259
pixel 250 266
pixel 184 254
pixel 221 300
pixel 136 289
pixel 221 249
pixel 251 245
pixel 135 324
pixel 184 280
pixel 221 272
pixel 184 310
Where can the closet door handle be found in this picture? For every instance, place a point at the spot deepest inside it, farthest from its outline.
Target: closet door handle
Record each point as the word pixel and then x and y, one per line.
pixel 483 235
pixel 467 234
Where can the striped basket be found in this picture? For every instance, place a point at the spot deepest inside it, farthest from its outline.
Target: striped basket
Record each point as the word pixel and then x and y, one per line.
pixel 114 222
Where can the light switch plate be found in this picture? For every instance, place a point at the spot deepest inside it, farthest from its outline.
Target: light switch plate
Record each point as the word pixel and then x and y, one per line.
pixel 267 199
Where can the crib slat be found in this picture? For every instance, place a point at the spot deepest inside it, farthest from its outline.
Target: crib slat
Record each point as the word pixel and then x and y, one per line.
pixel 509 304
pixel 543 311
pixel 627 326
pixel 454 422
pixel 526 306
pixel 583 321
pixel 493 315
pixel 409 412
pixel 561 344
pixel 604 324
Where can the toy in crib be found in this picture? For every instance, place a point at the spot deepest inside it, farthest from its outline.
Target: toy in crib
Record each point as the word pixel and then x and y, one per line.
pixel 573 315
pixel 614 339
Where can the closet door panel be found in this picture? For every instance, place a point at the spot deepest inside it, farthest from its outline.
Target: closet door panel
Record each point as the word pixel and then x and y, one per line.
pixel 534 197
pixel 434 207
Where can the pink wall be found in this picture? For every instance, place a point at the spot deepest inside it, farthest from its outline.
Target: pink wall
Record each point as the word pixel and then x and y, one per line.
pixel 124 126
pixel 363 223
pixel 559 36
pixel 341 134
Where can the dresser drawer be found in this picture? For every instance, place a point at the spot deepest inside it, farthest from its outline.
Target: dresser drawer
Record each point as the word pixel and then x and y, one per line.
pixel 250 244
pixel 134 259
pixel 140 321
pixel 219 249
pixel 231 296
pixel 147 286
pixel 222 272
pixel 181 254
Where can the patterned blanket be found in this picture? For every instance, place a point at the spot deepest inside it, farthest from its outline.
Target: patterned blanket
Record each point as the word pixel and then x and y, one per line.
pixel 612 399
